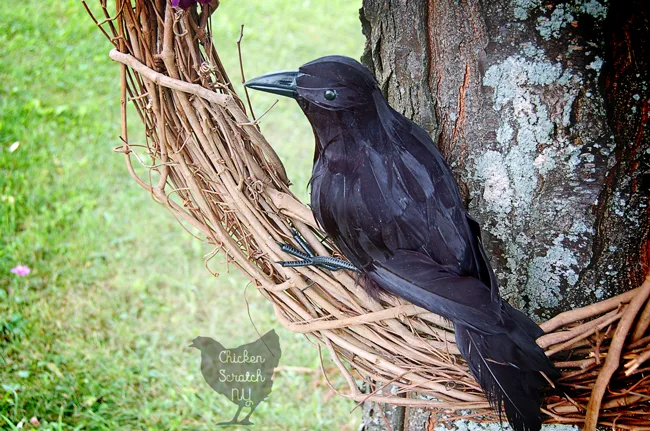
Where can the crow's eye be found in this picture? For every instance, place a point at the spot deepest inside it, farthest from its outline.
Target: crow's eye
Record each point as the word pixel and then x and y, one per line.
pixel 330 94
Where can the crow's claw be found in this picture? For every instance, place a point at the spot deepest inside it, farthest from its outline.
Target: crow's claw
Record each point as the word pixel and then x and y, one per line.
pixel 293 251
pixel 308 258
pixel 302 243
pixel 326 262
pixel 333 263
pixel 305 262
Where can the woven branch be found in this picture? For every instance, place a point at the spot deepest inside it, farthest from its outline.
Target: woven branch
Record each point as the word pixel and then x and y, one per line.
pixel 212 168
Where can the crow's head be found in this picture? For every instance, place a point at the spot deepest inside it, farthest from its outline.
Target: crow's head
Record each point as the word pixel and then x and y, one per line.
pixel 332 83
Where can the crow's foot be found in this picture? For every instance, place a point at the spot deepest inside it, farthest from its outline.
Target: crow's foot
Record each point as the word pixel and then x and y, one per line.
pixel 308 258
pixel 245 421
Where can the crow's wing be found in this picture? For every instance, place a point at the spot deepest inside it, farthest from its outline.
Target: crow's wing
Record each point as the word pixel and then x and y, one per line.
pixel 391 203
pixel 485 271
pixel 417 143
pixel 417 278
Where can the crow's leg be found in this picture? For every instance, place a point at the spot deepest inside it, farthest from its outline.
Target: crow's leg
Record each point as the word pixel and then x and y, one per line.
pixel 233 421
pixel 327 262
pixel 302 243
pixel 308 258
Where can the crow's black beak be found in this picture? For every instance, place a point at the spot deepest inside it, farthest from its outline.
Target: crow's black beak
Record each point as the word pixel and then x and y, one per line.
pixel 282 83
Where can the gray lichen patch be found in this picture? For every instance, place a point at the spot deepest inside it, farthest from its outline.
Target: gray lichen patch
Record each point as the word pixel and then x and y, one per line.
pixel 547 272
pixel 498 194
pixel 550 26
pixel 545 161
pixel 514 81
pixel 540 168
pixel 522 7
pixel 511 77
pixel 596 65
pixel 467 425
pixel 593 8
pixel 551 21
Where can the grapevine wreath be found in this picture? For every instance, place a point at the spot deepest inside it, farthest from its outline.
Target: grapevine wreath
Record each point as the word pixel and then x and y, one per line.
pixel 215 172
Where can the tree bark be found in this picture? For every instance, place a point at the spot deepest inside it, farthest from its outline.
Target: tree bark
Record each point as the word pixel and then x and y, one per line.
pixel 541 109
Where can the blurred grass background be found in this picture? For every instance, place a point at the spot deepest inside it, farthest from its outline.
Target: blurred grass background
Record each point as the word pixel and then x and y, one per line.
pixel 96 337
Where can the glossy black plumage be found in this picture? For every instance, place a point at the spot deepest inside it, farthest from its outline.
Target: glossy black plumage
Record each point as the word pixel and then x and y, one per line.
pixel 383 192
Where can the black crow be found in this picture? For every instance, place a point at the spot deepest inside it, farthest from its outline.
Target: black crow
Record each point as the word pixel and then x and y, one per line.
pixel 385 195
pixel 243 374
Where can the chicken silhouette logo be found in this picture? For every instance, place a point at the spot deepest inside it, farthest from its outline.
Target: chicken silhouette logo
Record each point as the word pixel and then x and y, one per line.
pixel 244 374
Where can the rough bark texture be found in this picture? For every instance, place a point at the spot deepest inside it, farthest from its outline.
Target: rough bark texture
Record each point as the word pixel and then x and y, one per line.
pixel 511 91
pixel 380 417
pixel 541 109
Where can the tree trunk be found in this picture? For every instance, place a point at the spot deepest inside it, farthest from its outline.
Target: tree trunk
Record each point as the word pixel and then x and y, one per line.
pixel 541 109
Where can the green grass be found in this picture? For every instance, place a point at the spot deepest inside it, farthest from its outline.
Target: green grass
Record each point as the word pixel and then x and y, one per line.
pixel 96 336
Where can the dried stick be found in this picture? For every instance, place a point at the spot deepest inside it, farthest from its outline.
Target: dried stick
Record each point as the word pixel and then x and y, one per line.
pixel 166 81
pixel 377 316
pixel 632 366
pixel 643 323
pixel 583 313
pixel 614 354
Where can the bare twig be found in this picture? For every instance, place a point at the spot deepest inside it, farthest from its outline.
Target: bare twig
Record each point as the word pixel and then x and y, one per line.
pixel 243 77
pixel 613 357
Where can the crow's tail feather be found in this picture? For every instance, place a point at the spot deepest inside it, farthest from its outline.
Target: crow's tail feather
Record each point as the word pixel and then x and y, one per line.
pixel 507 366
pixel 496 340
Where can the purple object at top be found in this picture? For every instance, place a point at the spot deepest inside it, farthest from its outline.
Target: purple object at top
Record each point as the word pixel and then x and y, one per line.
pixel 186 4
